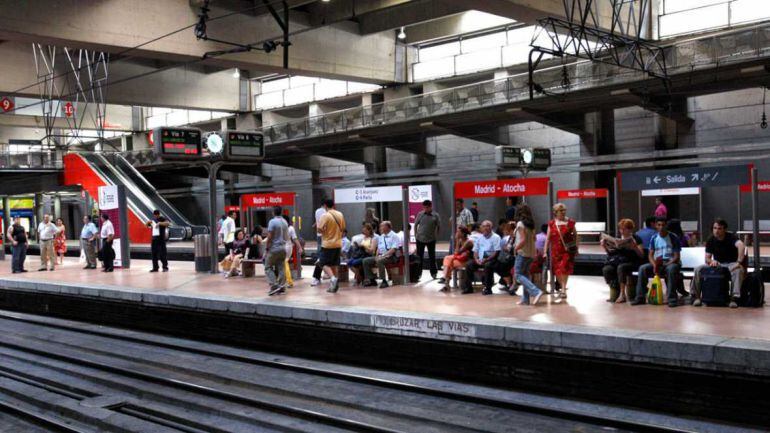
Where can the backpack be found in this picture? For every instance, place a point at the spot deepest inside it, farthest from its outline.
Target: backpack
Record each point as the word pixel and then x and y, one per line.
pixel 753 290
pixel 715 286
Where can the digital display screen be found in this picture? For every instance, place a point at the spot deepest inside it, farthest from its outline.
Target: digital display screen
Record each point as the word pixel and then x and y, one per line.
pixel 180 141
pixel 247 144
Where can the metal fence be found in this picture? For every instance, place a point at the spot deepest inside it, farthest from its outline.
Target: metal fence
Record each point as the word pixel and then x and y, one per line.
pixel 30 160
pixel 737 45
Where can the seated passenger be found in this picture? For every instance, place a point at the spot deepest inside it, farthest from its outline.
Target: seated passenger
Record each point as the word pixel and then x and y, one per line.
pixel 722 249
pixel 255 252
pixel 362 246
pixel 623 258
pixel 459 258
pixel 475 229
pixel 388 248
pixel 486 247
pixel 646 233
pixel 663 260
pixel 232 262
pixel 675 226
pixel 345 246
pixel 506 259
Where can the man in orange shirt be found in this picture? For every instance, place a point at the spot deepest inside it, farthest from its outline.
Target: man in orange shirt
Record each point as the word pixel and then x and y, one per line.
pixel 331 226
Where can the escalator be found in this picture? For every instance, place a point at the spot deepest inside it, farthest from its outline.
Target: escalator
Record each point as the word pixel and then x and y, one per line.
pixel 141 196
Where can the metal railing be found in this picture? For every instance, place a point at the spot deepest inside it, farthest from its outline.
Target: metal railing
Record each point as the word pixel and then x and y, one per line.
pixel 731 46
pixel 48 160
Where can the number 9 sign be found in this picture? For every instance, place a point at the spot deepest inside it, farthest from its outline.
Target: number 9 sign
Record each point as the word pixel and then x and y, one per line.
pixel 6 104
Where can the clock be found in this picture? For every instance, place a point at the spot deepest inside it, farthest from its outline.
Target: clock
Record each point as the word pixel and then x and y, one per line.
pixel 214 143
pixel 526 156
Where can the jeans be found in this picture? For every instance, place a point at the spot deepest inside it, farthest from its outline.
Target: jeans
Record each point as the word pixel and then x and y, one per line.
pixel 672 273
pixel 158 248
pixel 275 268
pixel 736 276
pixel 521 268
pixel 489 274
pixel 431 255
pixel 19 253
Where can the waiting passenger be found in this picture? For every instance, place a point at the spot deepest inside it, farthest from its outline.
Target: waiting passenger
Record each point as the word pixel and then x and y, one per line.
pixel 475 211
pixel 459 258
pixel 227 232
pixel 660 209
pixel 426 226
pixel 463 217
pixel 723 249
pixel 646 233
pixel 371 219
pixel 475 230
pixel 277 236
pixel 524 251
pixel 507 257
pixel 675 226
pixel 623 258
pixel 255 252
pixel 292 243
pixel 345 246
pixel 485 250
pixel 19 240
pixel 663 260
pixel 232 262
pixel 330 226
pixel 362 246
pixel 388 247
pixel 500 230
pixel 510 208
pixel 562 241
pixel 60 240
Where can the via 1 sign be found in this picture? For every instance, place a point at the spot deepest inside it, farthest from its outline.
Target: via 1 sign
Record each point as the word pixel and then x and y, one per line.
pixel 700 177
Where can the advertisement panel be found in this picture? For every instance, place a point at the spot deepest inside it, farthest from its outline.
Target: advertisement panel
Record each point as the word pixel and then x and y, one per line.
pixel 112 201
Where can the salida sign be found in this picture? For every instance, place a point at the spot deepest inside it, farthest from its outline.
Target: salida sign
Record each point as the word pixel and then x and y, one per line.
pixel 582 193
pixel 267 200
pixel 502 188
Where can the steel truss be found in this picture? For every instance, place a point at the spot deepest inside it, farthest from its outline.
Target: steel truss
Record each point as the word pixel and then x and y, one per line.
pixel 78 83
pixel 580 35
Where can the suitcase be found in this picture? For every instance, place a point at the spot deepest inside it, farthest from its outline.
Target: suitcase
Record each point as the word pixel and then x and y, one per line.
pixel 715 286
pixel 753 291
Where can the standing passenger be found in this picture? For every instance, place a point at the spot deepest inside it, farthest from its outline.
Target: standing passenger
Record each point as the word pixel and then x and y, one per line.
pixel 19 240
pixel 88 237
pixel 277 235
pixel 475 211
pixel 107 235
pixel 159 226
pixel 661 211
pixel 331 226
pixel 292 242
pixel 426 227
pixel 227 232
pixel 60 241
pixel 46 231
pixel 525 251
pixel 318 214
pixel 562 241
pixel 371 218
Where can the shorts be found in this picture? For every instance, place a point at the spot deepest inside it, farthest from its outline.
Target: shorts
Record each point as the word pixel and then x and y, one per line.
pixel 329 257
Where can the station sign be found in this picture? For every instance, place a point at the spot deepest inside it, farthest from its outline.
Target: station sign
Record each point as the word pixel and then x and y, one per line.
pixel 762 186
pixel 583 193
pixel 368 194
pixel 502 188
pixel 700 177
pixel 267 200
pixel 244 145
pixel 7 104
pixel 670 191
pixel 177 143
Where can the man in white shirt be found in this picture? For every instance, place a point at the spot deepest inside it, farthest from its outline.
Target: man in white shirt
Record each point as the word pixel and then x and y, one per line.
pixel 485 250
pixel 46 231
pixel 107 234
pixel 388 246
pixel 318 214
pixel 227 232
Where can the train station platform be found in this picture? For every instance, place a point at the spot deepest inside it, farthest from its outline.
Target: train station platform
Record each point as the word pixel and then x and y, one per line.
pixel 721 339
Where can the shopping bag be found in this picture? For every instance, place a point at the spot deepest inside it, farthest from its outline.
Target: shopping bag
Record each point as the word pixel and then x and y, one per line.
pixel 656 289
pixel 82 258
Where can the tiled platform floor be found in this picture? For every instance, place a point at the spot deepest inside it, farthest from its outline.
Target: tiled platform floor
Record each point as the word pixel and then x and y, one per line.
pixel 586 305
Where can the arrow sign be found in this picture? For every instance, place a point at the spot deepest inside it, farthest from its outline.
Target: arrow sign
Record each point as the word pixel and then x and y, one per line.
pixel 7 104
pixel 699 177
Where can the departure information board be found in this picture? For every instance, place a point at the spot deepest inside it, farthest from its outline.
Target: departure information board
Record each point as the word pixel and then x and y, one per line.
pixel 244 145
pixel 178 142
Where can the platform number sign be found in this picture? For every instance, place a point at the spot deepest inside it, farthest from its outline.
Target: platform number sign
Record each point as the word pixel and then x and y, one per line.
pixel 7 104
pixel 244 145
pixel 178 143
pixel 69 109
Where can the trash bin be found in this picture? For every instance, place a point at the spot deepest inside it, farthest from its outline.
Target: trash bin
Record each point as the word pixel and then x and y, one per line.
pixel 202 247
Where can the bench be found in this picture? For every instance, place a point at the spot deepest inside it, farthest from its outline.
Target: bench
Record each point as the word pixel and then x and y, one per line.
pixel 590 228
pixel 748 230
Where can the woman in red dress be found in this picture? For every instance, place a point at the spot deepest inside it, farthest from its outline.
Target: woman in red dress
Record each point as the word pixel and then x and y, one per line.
pixel 59 241
pixel 562 242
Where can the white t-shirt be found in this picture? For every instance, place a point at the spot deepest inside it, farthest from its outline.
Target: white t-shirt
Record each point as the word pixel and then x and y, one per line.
pixel 228 230
pixel 107 229
pixel 318 214
pixel 290 244
pixel 46 231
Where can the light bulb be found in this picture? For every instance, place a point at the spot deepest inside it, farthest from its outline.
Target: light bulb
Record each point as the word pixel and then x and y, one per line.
pixel 402 34
pixel 237 73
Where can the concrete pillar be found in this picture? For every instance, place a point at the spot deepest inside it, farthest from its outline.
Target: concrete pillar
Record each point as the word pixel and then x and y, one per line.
pixel 6 215
pixel 39 208
pixel 56 206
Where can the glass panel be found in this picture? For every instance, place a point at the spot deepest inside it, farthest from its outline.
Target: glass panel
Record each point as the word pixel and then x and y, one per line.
pixel 681 5
pixel 478 61
pixel 693 20
pixel 435 68
pixel 275 85
pixel 742 11
pixel 298 95
pixel 269 100
pixel 330 89
pixel 439 51
pixel 479 43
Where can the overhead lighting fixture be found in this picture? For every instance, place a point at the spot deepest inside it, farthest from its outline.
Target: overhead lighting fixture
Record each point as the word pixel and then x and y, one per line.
pixel 237 73
pixel 326 1
pixel 402 34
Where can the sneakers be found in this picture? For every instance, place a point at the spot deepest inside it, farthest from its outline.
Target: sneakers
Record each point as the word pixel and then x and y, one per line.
pixel 384 284
pixel 332 289
pixel 276 290
pixel 536 299
pixel 334 283
pixel 315 282
pixel 733 304
pixel 522 302
pixel 563 294
pixel 697 303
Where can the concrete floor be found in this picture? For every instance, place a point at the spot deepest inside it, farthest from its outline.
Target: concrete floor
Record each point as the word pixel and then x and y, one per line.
pixel 586 305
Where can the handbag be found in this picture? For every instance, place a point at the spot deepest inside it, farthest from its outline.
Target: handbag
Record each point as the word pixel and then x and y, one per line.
pixel 571 247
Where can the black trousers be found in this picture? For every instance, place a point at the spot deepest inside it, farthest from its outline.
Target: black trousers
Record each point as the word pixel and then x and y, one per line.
pixel 158 248
pixel 489 273
pixel 431 256
pixel 108 255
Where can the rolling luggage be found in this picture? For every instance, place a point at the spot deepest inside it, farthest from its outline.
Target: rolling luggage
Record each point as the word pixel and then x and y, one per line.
pixel 715 286
pixel 753 291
